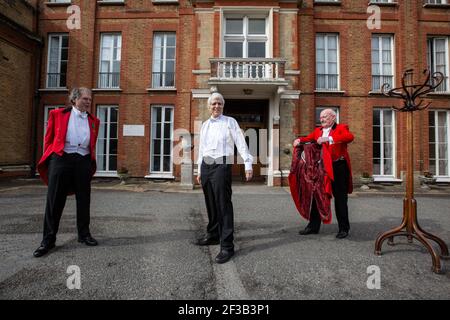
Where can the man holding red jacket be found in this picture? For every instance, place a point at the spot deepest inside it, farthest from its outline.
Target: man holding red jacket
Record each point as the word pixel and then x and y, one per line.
pixel 67 166
pixel 334 139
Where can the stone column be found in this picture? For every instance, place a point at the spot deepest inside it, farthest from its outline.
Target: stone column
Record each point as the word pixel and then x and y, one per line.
pixel 186 163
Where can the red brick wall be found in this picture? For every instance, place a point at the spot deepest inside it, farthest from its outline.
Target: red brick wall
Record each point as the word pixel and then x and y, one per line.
pixel 137 20
pixel 410 23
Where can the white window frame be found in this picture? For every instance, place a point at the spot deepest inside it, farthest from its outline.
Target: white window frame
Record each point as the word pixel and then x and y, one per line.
pixel 164 59
pixel 111 60
pixel 249 13
pixel 47 110
pixel 439 177
pixel 380 61
pixel 107 125
pixel 325 1
pixel 431 41
pixel 436 2
pixel 164 1
pixel 245 38
pixel 161 173
pixel 60 38
pixel 382 175
pixel 338 67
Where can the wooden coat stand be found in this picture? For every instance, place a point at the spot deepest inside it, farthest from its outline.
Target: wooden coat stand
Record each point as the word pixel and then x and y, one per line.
pixel 410 226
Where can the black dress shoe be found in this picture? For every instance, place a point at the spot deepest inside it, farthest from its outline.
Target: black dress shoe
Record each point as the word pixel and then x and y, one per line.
pixel 88 240
pixel 224 256
pixel 43 250
pixel 307 231
pixel 207 241
pixel 342 234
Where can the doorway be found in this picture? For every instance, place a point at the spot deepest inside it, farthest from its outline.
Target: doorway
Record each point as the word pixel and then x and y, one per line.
pixel 250 114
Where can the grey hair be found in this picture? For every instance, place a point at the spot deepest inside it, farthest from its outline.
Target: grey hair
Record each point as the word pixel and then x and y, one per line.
pixel 77 92
pixel 216 95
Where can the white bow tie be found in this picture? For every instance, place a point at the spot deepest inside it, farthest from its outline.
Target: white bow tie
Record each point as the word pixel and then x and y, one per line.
pixel 83 115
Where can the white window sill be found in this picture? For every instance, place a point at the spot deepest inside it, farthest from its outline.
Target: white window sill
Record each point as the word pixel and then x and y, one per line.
pixel 386 179
pixel 58 4
pixel 162 89
pixel 14 168
pixel 53 90
pixel 436 5
pixel 160 176
pixel 107 89
pixel 165 1
pixel 331 3
pixel 108 174
pixel 376 93
pixel 442 179
pixel 113 3
pixel 383 4
pixel 329 91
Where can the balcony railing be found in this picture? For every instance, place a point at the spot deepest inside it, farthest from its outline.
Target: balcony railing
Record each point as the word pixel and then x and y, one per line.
pixel 108 80
pixel 247 69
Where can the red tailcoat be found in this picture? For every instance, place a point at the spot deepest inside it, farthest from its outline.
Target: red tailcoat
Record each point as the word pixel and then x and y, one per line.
pixel 332 152
pixel 55 138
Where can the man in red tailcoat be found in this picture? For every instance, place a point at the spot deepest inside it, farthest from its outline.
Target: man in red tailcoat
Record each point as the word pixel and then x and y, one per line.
pixel 334 139
pixel 67 166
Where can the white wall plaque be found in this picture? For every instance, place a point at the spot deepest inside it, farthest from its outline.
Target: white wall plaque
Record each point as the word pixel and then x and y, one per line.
pixel 133 130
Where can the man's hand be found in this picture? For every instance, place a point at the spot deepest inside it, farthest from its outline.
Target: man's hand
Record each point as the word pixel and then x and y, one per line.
pixel 248 175
pixel 296 142
pixel 323 140
pixel 199 180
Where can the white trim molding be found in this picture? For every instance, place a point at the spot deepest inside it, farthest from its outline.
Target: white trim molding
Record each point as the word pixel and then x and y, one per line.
pixel 290 94
pixel 200 93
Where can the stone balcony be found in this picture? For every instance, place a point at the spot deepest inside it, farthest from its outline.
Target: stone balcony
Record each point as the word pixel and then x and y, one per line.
pixel 247 70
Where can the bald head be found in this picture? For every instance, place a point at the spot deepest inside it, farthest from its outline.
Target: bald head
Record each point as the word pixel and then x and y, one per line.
pixel 327 118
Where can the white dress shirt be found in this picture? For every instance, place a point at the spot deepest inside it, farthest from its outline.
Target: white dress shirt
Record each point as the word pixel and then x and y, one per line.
pixel 326 134
pixel 218 137
pixel 78 134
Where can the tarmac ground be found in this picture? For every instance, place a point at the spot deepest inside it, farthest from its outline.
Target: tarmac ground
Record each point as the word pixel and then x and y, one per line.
pixel 146 233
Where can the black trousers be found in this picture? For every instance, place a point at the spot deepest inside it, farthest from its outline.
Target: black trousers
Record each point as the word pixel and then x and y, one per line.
pixel 340 193
pixel 67 173
pixel 216 184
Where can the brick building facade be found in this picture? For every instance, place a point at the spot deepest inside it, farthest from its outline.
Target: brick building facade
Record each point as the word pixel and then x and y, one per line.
pixel 19 58
pixel 153 64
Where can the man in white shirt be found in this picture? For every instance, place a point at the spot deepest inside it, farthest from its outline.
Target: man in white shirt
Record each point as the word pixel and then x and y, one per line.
pixel 218 136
